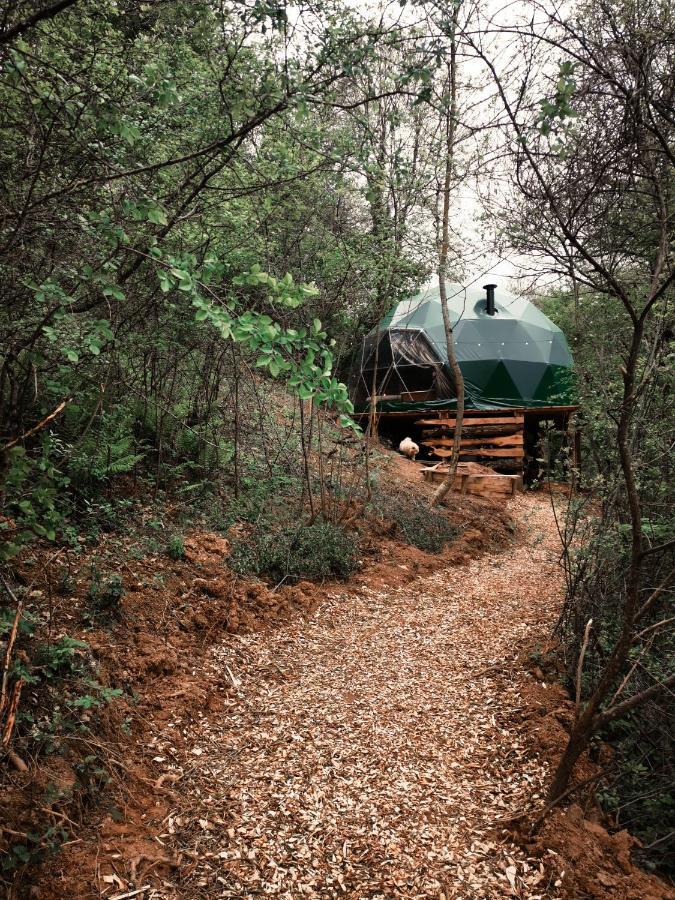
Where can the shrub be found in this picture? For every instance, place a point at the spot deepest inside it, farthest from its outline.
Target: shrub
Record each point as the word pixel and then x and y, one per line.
pixel 61 658
pixel 312 552
pixel 176 548
pixel 105 596
pixel 416 522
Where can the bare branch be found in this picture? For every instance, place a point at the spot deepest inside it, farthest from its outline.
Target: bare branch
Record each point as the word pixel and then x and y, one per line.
pixel 48 12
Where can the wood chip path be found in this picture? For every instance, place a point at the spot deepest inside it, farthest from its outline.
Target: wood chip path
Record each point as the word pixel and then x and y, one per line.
pixel 369 751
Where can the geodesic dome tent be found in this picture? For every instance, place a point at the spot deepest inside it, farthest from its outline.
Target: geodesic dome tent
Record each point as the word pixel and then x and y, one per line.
pixel 510 353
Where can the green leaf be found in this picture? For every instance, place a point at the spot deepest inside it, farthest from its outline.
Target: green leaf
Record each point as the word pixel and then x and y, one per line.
pixel 157 216
pixel 21 852
pixel 165 282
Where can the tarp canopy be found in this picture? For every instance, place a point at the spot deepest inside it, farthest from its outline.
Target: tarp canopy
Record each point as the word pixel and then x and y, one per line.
pixel 514 358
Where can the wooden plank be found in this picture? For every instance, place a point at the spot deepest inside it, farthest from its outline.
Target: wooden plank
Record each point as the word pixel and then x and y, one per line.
pixel 542 410
pixel 481 485
pixel 469 423
pixel 511 452
pixel 506 452
pixel 503 440
pixel 521 410
pixel 480 431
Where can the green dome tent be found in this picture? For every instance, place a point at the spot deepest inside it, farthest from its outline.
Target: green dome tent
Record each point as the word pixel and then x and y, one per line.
pixel 510 354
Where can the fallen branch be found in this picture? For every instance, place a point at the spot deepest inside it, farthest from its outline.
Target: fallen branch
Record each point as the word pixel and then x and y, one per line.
pixel 10 645
pixel 40 425
pixel 135 893
pixel 11 712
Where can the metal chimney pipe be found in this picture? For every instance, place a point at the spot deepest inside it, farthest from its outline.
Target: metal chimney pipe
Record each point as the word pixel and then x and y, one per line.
pixel 490 300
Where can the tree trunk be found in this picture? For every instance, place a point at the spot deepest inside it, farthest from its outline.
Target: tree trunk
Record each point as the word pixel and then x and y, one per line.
pixel 586 724
pixel 450 132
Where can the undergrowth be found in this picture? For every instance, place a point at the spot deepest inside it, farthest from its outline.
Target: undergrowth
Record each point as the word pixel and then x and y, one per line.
pixel 308 552
pixel 415 522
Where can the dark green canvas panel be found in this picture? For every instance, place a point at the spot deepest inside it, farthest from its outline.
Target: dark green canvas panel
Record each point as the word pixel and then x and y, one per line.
pixel 517 357
pixel 555 386
pixel 526 376
pixel 500 384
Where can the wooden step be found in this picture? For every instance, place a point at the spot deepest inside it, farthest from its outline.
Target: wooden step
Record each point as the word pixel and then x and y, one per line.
pixel 494 485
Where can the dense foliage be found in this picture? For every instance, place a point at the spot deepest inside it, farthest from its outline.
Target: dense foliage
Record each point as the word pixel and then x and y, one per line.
pixel 192 193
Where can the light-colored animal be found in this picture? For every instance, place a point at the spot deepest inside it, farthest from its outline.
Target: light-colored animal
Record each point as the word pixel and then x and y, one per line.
pixel 408 448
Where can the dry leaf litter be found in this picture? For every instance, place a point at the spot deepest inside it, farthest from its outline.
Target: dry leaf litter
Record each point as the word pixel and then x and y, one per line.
pixel 371 751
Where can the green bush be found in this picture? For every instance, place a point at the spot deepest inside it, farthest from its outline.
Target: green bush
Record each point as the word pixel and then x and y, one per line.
pixel 105 596
pixel 425 528
pixel 260 494
pixel 312 552
pixel 176 548
pixel 61 658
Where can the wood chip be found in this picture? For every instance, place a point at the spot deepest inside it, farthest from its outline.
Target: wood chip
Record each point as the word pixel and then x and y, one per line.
pixel 379 764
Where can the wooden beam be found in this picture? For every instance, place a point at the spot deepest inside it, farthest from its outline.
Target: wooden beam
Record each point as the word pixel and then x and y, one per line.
pixel 519 410
pixel 468 423
pixel 505 440
pixel 507 452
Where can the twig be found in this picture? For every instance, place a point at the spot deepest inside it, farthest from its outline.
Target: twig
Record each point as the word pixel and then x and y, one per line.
pixel 654 596
pixel 11 712
pixel 21 834
pixel 146 887
pixel 59 815
pixel 614 712
pixel 660 840
pixel 580 666
pixel 235 681
pixel 629 675
pixel 653 627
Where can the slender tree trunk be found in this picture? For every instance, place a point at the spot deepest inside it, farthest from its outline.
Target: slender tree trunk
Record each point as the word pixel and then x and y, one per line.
pixel 588 721
pixel 235 457
pixel 450 134
pixel 305 457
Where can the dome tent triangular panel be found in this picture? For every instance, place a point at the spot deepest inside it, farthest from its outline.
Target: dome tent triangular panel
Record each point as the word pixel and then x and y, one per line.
pixel 516 357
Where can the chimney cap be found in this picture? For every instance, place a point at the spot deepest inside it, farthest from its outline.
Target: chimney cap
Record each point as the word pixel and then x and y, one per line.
pixel 486 286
